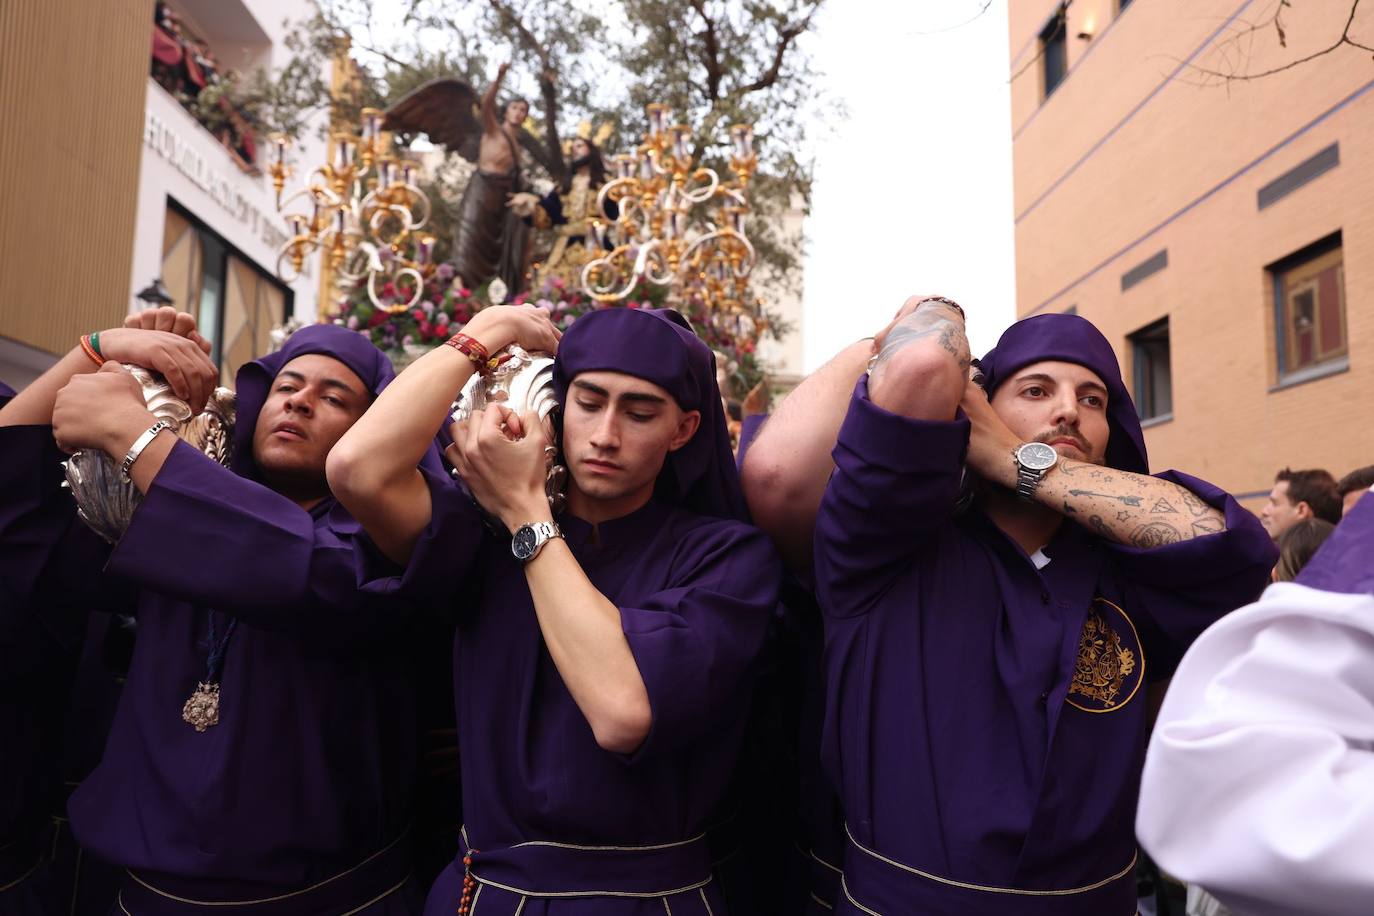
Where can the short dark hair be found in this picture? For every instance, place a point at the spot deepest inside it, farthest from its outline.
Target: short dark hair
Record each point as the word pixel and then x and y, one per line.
pixel 1298 544
pixel 514 101
pixel 1317 488
pixel 1358 479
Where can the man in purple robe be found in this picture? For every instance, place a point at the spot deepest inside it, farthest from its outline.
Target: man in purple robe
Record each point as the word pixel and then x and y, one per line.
pixel 295 794
pixel 604 659
pixel 986 662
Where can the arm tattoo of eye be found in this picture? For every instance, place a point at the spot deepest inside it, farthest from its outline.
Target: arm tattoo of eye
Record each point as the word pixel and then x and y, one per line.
pixel 1125 498
pixel 1155 534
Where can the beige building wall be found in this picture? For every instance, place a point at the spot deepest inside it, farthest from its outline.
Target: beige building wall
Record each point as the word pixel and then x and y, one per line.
pixel 72 80
pixel 1137 152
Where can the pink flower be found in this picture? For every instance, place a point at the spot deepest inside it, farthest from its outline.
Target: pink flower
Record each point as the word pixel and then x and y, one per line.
pixel 353 322
pixel 445 271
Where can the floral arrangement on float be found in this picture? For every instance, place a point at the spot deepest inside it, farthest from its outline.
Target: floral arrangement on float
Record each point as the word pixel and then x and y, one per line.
pixel 445 306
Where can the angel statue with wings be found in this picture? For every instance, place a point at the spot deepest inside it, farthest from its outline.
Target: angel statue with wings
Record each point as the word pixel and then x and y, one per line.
pixel 490 239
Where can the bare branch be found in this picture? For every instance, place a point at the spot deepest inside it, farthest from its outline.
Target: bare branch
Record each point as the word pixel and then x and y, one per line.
pixel 952 28
pixel 785 38
pixel 1063 15
pixel 1277 22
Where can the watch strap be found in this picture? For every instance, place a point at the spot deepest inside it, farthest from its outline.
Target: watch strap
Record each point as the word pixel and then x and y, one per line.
pixel 543 533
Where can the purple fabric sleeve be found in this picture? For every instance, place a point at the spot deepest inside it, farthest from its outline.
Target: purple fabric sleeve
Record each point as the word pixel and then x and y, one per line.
pixel 696 643
pixel 205 535
pixel 895 484
pixel 748 431
pixel 443 555
pixel 1188 586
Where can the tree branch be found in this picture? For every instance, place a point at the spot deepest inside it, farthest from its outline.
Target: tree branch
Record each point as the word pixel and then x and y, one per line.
pixel 1277 21
pixel 710 56
pixel 785 38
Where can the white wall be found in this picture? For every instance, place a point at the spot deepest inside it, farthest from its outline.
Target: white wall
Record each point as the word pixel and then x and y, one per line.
pixel 184 161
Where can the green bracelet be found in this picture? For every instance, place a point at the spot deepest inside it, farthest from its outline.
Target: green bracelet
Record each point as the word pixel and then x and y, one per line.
pixel 95 344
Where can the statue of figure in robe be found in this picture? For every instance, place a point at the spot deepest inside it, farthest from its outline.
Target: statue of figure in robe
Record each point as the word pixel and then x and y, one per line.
pixel 569 210
pixel 490 240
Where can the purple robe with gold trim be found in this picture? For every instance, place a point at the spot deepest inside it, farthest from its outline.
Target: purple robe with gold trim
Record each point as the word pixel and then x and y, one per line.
pixel 985 718
pixel 696 597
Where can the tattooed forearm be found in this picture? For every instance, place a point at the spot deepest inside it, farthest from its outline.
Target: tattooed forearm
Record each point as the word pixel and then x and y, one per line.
pixel 1127 498
pixel 1155 534
pixel 931 321
pixel 1132 509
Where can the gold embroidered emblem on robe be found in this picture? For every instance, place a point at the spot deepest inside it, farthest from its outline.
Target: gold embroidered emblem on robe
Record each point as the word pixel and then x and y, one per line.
pixel 1110 664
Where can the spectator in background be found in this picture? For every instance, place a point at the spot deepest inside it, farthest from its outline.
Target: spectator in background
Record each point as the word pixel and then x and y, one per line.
pixel 1297 545
pixel 1354 485
pixel 1299 495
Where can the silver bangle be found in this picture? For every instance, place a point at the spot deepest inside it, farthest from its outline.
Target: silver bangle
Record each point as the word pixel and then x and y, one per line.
pixel 140 444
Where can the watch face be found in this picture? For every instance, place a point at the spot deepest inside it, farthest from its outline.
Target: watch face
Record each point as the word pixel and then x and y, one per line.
pixel 1037 456
pixel 523 543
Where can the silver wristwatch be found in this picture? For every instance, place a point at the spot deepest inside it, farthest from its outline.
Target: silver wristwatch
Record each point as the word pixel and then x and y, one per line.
pixel 1033 461
pixel 529 539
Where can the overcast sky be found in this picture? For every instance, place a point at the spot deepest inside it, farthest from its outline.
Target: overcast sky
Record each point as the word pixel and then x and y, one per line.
pixel 913 191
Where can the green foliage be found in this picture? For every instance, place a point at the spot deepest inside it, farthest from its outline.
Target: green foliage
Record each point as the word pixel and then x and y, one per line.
pixel 713 62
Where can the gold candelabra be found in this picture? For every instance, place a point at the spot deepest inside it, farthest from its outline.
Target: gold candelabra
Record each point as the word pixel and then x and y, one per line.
pixel 678 225
pixel 362 210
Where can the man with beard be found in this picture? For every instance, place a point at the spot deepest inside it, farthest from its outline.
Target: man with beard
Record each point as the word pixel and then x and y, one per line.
pixel 490 238
pixel 987 645
pixel 604 659
pixel 262 757
pixel 569 210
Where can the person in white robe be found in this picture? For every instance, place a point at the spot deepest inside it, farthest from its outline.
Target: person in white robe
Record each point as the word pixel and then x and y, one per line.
pixel 1259 779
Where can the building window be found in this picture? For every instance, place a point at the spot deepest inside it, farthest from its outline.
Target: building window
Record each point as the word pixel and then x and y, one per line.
pixel 236 303
pixel 1054 51
pixel 1154 389
pixel 1309 308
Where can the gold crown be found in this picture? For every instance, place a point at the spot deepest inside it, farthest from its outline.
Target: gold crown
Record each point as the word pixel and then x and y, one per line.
pixel 584 132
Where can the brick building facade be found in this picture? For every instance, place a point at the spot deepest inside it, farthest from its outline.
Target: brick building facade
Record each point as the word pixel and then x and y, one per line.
pixel 1219 232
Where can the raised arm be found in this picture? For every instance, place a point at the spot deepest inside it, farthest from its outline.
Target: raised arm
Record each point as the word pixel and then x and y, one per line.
pixel 491 117
pixel 1136 510
pixel 373 468
pixel 789 461
pixel 163 340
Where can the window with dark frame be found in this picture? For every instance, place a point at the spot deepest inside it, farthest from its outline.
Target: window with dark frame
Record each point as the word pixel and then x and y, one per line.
pixel 1154 387
pixel 1309 308
pixel 1054 51
pixel 236 302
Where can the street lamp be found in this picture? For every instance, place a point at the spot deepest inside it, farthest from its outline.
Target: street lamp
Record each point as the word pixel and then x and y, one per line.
pixel 154 294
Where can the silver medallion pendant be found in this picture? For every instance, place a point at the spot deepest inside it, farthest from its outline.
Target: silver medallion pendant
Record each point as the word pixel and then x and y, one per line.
pixel 202 709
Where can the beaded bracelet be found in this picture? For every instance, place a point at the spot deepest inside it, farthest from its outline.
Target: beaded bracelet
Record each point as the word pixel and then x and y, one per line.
pixel 90 345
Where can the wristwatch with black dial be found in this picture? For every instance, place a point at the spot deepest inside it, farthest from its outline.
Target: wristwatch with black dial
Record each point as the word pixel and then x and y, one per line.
pixel 529 539
pixel 1033 461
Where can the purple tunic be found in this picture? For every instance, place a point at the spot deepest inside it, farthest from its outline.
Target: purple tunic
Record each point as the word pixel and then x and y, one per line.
pixel 35 667
pixel 310 772
pixel 696 597
pixel 985 719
